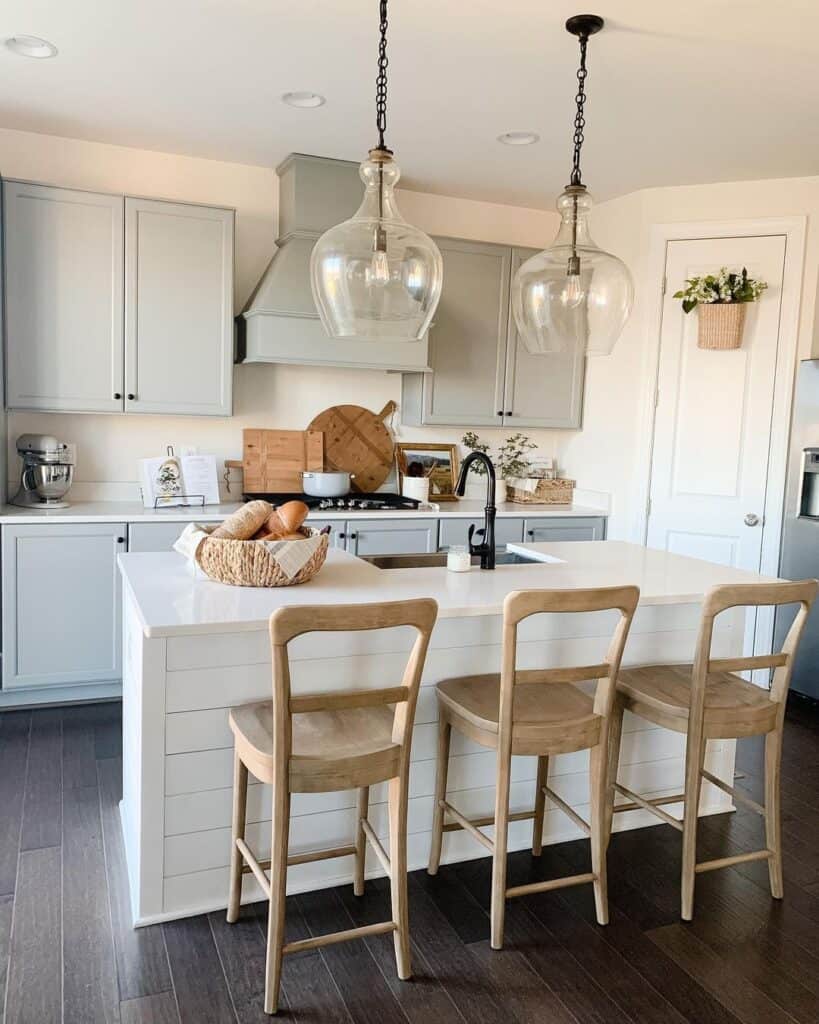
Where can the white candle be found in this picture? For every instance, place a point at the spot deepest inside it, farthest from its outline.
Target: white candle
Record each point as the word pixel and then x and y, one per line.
pixel 458 559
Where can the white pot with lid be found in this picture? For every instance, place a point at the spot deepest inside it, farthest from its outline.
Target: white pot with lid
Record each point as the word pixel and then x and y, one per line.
pixel 326 485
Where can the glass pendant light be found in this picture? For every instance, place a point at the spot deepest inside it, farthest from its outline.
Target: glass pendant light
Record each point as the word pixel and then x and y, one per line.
pixel 573 294
pixel 375 277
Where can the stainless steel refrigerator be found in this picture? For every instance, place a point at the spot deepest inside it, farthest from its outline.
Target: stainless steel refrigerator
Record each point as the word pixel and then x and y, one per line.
pixel 799 558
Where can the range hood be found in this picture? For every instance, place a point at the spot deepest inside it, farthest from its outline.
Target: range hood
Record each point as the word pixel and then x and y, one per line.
pixel 280 323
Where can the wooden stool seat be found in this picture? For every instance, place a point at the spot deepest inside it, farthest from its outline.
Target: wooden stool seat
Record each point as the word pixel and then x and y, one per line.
pixel 353 745
pixel 559 717
pixel 662 695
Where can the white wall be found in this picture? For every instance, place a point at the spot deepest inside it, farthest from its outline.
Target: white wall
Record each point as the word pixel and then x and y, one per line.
pixel 604 455
pixel 264 396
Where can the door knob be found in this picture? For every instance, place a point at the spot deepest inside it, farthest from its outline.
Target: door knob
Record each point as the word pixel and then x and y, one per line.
pixel 751 519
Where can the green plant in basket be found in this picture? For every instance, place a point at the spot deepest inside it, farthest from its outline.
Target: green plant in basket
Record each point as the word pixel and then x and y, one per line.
pixel 723 287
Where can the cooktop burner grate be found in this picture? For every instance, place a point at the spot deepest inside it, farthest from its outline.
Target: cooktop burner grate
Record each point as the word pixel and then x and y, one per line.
pixel 376 502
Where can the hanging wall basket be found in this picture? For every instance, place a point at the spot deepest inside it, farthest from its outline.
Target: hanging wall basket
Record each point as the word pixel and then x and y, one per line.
pixel 720 324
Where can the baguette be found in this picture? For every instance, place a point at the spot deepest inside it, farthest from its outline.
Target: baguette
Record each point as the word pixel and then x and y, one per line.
pixel 244 522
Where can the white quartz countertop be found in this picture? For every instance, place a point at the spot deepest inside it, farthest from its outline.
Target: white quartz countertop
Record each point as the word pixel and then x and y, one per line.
pixel 134 512
pixel 171 601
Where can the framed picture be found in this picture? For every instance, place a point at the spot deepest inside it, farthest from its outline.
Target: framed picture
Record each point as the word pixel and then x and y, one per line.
pixel 437 462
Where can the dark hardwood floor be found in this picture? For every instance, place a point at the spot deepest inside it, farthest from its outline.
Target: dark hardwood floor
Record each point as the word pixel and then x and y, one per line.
pixel 68 953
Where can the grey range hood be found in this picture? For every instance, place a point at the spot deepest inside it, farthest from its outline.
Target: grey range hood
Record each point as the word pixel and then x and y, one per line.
pixel 280 323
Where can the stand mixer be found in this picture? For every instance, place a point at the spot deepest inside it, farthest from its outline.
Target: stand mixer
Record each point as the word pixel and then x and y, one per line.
pixel 46 475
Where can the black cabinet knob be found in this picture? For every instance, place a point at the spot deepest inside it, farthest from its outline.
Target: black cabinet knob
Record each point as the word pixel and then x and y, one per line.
pixel 131 398
pixel 120 540
pixel 530 533
pixel 500 412
pixel 353 536
pixel 341 536
pixel 117 396
pixel 508 412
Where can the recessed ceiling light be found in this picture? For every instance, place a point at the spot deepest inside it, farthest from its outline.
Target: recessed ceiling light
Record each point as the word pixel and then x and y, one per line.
pixel 303 99
pixel 31 46
pixel 518 138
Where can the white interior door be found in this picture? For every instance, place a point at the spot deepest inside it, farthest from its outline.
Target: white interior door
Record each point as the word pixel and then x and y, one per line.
pixel 712 428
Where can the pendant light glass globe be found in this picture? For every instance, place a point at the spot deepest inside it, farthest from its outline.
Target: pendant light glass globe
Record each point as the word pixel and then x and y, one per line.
pixel 574 295
pixel 375 277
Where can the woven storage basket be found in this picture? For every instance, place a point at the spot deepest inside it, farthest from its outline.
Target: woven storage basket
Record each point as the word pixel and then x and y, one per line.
pixel 248 563
pixel 546 492
pixel 720 324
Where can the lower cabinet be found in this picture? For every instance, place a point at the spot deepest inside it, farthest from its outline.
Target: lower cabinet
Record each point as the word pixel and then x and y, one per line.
pixel 61 604
pixel 568 528
pixel 456 531
pixel 393 537
pixel 153 536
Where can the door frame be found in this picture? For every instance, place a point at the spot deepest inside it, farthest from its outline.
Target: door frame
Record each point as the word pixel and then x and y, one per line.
pixel 794 230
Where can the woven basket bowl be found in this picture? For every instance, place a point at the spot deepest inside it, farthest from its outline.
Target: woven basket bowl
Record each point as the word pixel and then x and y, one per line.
pixel 720 324
pixel 248 563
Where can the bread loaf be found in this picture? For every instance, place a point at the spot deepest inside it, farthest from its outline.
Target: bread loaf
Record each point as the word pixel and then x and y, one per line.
pixel 286 519
pixel 244 522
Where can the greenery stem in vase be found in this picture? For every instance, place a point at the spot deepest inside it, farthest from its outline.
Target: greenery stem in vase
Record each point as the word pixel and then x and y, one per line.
pixel 511 458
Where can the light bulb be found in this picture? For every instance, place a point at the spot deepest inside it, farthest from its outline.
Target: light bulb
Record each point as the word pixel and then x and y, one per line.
pixel 379 272
pixel 573 293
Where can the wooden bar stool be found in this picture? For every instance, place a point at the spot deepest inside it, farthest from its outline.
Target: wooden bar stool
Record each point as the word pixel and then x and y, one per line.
pixel 706 701
pixel 513 714
pixel 320 742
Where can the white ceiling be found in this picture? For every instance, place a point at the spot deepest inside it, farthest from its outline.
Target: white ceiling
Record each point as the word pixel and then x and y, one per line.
pixel 678 92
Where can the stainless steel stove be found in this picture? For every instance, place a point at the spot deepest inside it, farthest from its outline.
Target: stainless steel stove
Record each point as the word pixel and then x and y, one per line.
pixel 376 502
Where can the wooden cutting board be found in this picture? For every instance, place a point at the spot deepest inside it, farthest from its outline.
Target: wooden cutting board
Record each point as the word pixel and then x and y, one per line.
pixel 358 441
pixel 274 460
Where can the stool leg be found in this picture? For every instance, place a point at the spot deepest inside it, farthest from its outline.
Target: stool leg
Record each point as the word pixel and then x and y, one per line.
pixel 237 832
pixel 398 873
pixel 278 894
pixel 615 734
pixel 773 825
pixel 598 765
pixel 540 806
pixel 498 908
pixel 441 772
pixel 360 840
pixel 694 760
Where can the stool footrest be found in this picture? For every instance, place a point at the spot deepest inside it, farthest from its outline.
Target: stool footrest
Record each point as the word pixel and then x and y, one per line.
pixel 454 826
pixel 553 883
pixel 727 862
pixel 374 841
pixel 570 812
pixel 650 805
pixel 740 797
pixel 331 938
pixel 469 826
pixel 251 864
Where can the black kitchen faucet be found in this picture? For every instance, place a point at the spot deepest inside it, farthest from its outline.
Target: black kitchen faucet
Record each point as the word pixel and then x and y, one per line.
pixel 486 549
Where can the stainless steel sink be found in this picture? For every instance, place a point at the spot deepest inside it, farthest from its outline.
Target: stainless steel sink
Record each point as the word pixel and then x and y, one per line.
pixel 438 558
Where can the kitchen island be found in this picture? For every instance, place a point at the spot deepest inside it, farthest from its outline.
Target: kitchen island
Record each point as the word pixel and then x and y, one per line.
pixel 193 648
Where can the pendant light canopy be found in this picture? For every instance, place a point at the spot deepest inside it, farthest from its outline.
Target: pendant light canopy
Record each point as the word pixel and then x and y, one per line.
pixel 573 294
pixel 375 277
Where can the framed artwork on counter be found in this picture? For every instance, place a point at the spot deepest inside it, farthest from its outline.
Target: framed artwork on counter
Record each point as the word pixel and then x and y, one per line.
pixel 438 463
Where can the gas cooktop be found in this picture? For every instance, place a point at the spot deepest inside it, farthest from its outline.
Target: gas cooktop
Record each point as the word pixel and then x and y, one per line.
pixel 376 502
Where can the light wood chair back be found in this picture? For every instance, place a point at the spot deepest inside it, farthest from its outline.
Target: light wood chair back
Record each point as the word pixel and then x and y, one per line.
pixel 521 604
pixel 749 595
pixel 286 624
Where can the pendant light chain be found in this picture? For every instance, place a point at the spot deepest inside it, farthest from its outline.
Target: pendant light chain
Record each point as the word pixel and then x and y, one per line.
pixel 579 118
pixel 381 80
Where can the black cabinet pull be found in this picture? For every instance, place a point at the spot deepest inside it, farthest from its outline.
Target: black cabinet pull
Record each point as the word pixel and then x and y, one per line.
pixel 120 540
pixel 117 396
pixel 131 398
pixel 508 412
pixel 500 412
pixel 530 533
pixel 353 536
pixel 341 536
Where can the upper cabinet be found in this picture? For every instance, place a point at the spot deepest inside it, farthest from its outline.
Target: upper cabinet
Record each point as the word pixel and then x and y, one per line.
pixel 117 304
pixel 178 308
pixel 64 299
pixel 482 374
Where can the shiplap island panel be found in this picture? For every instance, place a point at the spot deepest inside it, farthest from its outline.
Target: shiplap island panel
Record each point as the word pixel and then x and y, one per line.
pixel 194 648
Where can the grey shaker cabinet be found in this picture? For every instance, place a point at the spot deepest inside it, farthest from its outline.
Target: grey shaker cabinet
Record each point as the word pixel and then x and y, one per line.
pixel 541 390
pixel 395 537
pixel 456 531
pixel 63 275
pixel 178 308
pixel 154 536
pixel 61 604
pixel 467 340
pixel 116 304
pixel 482 374
pixel 568 528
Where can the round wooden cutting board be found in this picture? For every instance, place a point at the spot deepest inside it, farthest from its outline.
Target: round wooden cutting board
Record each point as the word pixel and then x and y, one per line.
pixel 358 441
